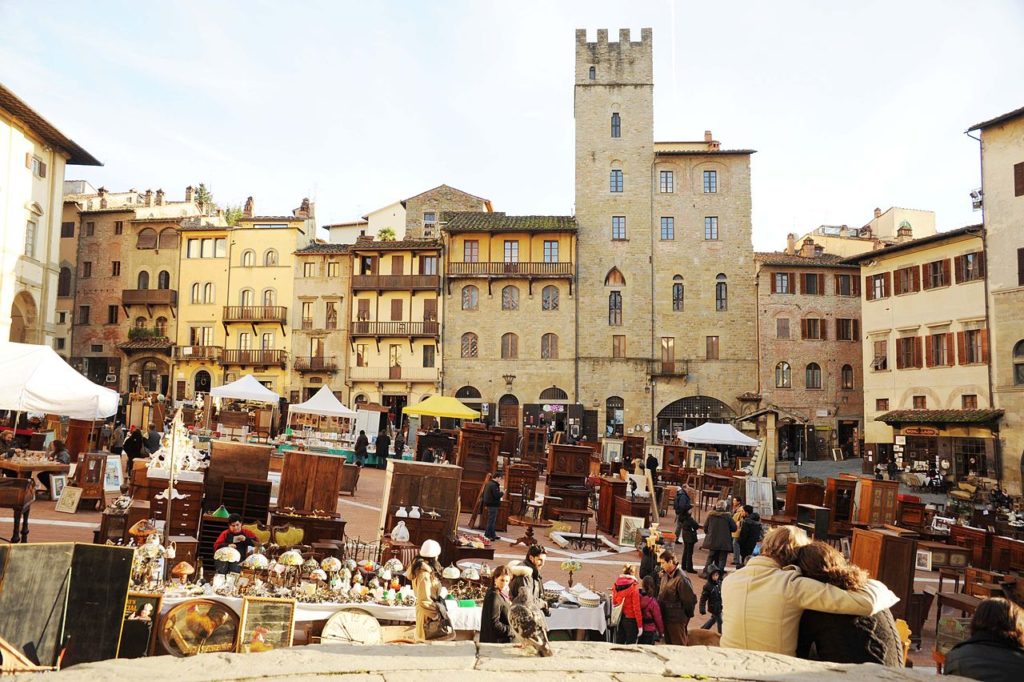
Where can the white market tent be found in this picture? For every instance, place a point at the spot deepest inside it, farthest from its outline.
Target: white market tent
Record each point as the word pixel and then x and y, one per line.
pixel 717 434
pixel 323 403
pixel 246 388
pixel 35 379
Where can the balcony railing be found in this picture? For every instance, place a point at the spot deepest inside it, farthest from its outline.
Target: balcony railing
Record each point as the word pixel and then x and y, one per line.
pixel 260 358
pixel 674 368
pixel 149 297
pixel 418 374
pixel 198 352
pixel 315 364
pixel 256 313
pixel 307 323
pixel 498 269
pixel 396 282
pixel 363 328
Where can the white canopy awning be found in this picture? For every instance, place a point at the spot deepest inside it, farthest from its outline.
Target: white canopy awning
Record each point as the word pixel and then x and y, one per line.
pixel 246 388
pixel 35 379
pixel 324 403
pixel 716 434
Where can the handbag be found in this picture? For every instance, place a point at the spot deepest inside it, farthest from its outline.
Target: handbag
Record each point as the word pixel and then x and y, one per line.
pixel 438 625
pixel 616 614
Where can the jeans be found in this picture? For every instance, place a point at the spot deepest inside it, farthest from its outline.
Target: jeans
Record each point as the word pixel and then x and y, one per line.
pixel 627 631
pixel 737 553
pixel 492 518
pixel 688 556
pixel 715 619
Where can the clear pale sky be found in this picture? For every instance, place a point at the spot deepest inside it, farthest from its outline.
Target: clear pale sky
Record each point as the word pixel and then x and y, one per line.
pixel 851 105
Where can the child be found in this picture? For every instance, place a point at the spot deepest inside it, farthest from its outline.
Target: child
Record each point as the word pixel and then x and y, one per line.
pixel 654 627
pixel 711 597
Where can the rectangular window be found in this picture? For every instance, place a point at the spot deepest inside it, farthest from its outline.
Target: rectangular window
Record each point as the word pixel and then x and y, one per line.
pixel 615 181
pixel 973 346
pixel 878 286
pixel 331 315
pixel 847 285
pixel 969 401
pixel 59 343
pixel 83 314
pixel 847 329
pixel 471 251
pixel 309 269
pixel 396 310
pixel 711 228
pixel 618 346
pixel 511 251
pixel 880 361
pixel 618 227
pixel 782 328
pixel 616 125
pixel 881 404
pixel 935 274
pixel 62 317
pixel 969 267
pixel 307 314
pixel 907 280
pixel 668 228
pixel 1020 267
pixel 711 351
pixel 90 229
pixel 30 239
pixel 429 222
pixel 193 249
pixel 428 355
pixel 38 166
pixel 67 230
pixel 908 352
pixel 550 251
pixel 118 227
pixel 115 268
pixel 667 182
pixel 1018 179
pixel 333 268
pixel 813 328
pixel 920 402
pixel 782 283
pixel 267 341
pixel 96 348
pixel 363 309
pixel 939 351
pixel 361 357
pixel 244 341
pixel 428 265
pixel 200 336
pixel 86 269
pixel 111 314
pixel 397 265
pixel 812 284
pixel 668 350
pixel 710 182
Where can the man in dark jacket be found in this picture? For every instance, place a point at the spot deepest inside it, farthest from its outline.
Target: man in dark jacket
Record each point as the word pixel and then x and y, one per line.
pixel 492 504
pixel 362 443
pixel 527 574
pixel 994 652
pixel 751 532
pixel 383 447
pixel 152 439
pixel 399 444
pixel 134 444
pixel 676 599
pixel 683 505
pixel 718 530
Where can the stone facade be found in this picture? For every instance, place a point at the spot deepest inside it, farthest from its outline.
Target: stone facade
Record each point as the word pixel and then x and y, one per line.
pixel 893 226
pixel 432 203
pixel 1002 166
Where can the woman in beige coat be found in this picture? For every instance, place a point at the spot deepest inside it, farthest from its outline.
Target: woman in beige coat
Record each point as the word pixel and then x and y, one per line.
pixel 426 586
pixel 762 602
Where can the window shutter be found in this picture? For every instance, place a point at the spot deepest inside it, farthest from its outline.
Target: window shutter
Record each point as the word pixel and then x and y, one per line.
pixel 961 348
pixel 869 291
pixel 1020 267
pixel 899 353
pixel 803 288
pixel 803 329
pixel 984 345
pixel 397 265
pixel 28 160
pixel 1018 179
pixel 950 351
pixel 945 271
pixel 835 284
pixel 981 264
pixel 856 330
pixel 396 310
pixel 42 169
pixel 430 310
pixel 915 276
pixel 823 329
pixel 929 356
pixel 887 278
pixel 364 309
pixel 855 282
pixel 821 285
pixel 772 277
pixel 927 281
pixel 958 268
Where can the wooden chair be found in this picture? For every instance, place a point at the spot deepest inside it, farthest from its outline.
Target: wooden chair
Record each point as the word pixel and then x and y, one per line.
pixel 287 535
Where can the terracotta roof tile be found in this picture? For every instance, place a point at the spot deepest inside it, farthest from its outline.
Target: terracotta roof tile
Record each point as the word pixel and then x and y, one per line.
pixel 825 260
pixel 154 343
pixel 46 130
pixel 369 244
pixel 998 119
pixel 480 221
pixel 940 416
pixel 321 247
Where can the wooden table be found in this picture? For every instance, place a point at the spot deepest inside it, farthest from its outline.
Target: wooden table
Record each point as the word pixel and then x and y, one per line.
pixel 965 603
pixel 528 539
pixel 26 468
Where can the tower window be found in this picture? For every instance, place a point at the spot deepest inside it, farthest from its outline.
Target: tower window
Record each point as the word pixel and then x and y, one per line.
pixel 616 125
pixel 593 73
pixel 667 181
pixel 710 182
pixel 615 181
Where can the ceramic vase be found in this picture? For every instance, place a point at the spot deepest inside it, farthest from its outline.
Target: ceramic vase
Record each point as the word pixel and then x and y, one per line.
pixel 415 513
pixel 401 513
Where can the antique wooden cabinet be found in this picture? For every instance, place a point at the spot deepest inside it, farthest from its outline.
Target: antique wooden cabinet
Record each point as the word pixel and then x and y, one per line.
pixel 977 540
pixel 876 503
pixel 888 557
pixel 839 497
pixel 310 482
pixel 626 506
pixel 568 468
pixel 910 514
pixel 609 487
pixel 802 493
pixel 1007 554
pixel 477 454
pixel 814 519
pixel 431 487
pixel 237 460
pixel 534 447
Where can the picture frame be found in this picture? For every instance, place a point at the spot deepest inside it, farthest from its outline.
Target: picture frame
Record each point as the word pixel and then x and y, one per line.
pixel 697 460
pixel 941 524
pixel 177 638
pixel 69 499
pixel 267 624
pixel 113 476
pixel 659 453
pixel 923 560
pixel 713 460
pixel 628 528
pixel 141 612
pixel 611 450
pixel 57 484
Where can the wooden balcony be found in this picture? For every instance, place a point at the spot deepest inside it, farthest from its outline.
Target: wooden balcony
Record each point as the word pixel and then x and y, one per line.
pixel 396 282
pixel 501 269
pixel 398 373
pixel 278 314
pixel 149 297
pixel 185 353
pixel 381 329
pixel 315 364
pixel 254 358
pixel 675 368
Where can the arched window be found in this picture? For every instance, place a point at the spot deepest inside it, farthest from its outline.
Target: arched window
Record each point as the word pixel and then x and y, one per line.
pixel 721 293
pixel 161 326
pixel 593 73
pixel 1018 363
pixel 846 376
pixel 468 393
pixel 549 298
pixel 510 298
pixel 677 293
pixel 553 393
pixel 269 297
pixel 209 293
pixel 469 345
pixel 616 125
pixel 270 258
pixel 163 280
pixel 549 347
pixel 147 239
pixel 64 282
pixel 143 280
pixel 195 293
pixel 783 375
pixel 169 238
pixel 140 323
pixel 248 258
pixel 509 346
pixel 246 297
pixel 615 309
pixel 614 416
pixel 470 297
pixel 813 378
pixel 614 278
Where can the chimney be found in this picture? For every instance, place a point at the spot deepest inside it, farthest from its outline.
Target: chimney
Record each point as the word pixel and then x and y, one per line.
pixel 248 208
pixel 159 197
pixel 878 212
pixel 149 197
pixel 790 243
pixel 102 191
pixel 303 210
pixel 707 136
pixel 807 249
pixel 189 193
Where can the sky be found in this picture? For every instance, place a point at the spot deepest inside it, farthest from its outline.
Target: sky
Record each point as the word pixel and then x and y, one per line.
pixel 851 105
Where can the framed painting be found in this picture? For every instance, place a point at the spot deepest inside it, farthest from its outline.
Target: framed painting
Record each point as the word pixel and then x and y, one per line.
pixel 267 624
pixel 69 498
pixel 57 484
pixel 198 626
pixel 628 528
pixel 141 610
pixel 923 560
pixel 113 476
pixel 611 450
pixel 713 460
pixel 697 460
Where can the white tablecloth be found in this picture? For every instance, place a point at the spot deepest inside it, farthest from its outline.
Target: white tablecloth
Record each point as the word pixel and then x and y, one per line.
pixel 583 618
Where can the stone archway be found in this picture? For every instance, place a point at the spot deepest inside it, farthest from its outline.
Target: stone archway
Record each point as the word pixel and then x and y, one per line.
pixel 23 318
pixel 688 413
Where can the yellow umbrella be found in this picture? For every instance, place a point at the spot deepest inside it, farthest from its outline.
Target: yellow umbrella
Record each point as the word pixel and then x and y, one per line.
pixel 442 406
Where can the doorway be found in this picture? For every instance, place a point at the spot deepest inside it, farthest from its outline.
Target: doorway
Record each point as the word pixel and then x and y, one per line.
pixel 202 382
pixel 395 404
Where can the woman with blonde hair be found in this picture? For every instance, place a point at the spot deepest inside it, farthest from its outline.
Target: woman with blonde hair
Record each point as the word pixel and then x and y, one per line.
pixel 840 638
pixel 762 602
pixel 995 650
pixel 627 592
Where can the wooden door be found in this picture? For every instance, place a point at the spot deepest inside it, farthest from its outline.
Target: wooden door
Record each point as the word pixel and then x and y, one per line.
pixel 430 310
pixel 395 361
pixel 396 310
pixel 397 265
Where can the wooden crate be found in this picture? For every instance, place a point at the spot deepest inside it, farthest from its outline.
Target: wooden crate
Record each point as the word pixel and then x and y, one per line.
pixel 310 482
pixel 237 460
pixel 431 487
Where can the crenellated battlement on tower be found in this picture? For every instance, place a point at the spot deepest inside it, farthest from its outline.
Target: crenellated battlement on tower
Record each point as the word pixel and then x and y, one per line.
pixel 623 62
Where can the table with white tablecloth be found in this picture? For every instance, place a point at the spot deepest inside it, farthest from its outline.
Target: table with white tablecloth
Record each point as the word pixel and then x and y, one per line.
pixel 463 618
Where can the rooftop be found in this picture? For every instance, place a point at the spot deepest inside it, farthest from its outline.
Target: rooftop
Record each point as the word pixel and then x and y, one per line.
pixel 479 221
pixel 825 260
pixel 940 416
pixel 77 156
pixel 154 343
pixel 369 244
pixel 968 231
pixel 998 119
pixel 323 247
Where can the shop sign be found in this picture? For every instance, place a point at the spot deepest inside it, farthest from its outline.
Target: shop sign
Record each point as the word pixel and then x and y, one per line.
pixel 822 427
pixel 553 408
pixel 919 431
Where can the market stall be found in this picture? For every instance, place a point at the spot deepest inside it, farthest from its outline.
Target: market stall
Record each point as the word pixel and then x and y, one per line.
pixel 435 446
pixel 246 389
pixel 36 379
pixel 322 424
